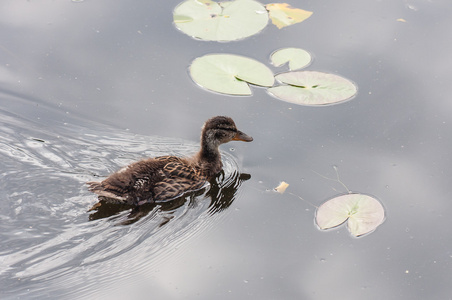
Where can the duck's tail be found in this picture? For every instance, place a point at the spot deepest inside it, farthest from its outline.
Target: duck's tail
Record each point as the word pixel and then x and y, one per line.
pixel 99 189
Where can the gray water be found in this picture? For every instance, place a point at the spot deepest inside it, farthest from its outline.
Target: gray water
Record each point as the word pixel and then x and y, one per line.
pixel 88 87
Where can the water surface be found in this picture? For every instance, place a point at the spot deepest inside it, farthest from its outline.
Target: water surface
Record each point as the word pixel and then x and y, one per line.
pixel 87 87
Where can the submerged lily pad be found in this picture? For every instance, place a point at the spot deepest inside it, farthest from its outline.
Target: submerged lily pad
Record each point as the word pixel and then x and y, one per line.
pixel 313 88
pixel 297 58
pixel 220 21
pixel 230 74
pixel 282 14
pixel 364 213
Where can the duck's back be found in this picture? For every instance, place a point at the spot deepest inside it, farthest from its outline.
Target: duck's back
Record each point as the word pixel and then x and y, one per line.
pixel 153 179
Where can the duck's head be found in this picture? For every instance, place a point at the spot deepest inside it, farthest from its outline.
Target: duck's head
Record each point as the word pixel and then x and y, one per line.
pixel 220 130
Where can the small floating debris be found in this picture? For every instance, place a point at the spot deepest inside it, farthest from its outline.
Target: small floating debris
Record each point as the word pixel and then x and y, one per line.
pixel 281 188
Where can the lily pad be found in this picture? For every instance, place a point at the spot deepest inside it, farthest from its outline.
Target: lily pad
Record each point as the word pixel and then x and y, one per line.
pixel 313 88
pixel 220 21
pixel 364 213
pixel 230 74
pixel 282 14
pixel 297 58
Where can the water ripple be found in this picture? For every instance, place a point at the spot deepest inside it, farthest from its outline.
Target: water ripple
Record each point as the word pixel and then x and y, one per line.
pixel 50 246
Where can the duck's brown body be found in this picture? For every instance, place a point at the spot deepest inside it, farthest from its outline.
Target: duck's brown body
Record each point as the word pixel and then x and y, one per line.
pixel 167 177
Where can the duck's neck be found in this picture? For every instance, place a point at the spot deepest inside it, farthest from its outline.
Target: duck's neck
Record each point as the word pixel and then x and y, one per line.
pixel 209 158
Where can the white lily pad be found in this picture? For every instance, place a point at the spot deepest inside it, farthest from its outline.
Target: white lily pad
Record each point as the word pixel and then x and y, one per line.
pixel 364 213
pixel 313 88
pixel 220 21
pixel 297 58
pixel 230 74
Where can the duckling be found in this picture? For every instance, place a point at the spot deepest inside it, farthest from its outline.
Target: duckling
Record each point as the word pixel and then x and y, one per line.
pixel 167 177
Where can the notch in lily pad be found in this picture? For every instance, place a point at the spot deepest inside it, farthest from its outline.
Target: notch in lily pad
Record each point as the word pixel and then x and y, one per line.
pixel 296 57
pixel 230 74
pixel 363 213
pixel 220 21
pixel 313 88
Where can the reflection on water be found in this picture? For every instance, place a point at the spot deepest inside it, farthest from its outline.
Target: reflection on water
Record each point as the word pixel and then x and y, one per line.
pixel 50 240
pixel 221 191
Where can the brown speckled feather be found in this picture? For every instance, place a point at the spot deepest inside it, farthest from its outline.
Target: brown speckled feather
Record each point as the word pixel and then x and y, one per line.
pixel 179 176
pixel 152 179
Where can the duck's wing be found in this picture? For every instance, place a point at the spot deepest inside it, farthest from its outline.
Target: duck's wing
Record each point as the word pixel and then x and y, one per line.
pixel 157 179
pixel 133 181
pixel 178 177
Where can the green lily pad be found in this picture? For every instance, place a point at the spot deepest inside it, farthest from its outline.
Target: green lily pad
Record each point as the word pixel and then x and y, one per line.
pixel 282 14
pixel 364 213
pixel 313 88
pixel 230 74
pixel 220 21
pixel 297 58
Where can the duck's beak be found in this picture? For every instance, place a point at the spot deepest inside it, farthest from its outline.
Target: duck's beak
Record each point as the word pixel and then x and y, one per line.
pixel 240 136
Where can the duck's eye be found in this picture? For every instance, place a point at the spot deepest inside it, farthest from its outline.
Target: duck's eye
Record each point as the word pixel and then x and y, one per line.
pixel 220 134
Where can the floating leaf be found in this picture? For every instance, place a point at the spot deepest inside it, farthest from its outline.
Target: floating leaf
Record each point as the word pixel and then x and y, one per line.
pixel 297 58
pixel 230 74
pixel 313 88
pixel 281 188
pixel 282 14
pixel 364 213
pixel 220 21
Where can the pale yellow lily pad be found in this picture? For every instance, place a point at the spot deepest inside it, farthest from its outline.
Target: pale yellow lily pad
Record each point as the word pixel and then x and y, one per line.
pixel 230 74
pixel 282 14
pixel 220 21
